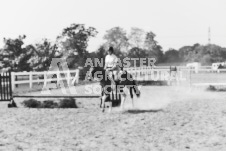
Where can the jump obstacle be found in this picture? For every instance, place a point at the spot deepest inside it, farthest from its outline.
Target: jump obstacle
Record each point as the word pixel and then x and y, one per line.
pixel 7 93
pixel 54 96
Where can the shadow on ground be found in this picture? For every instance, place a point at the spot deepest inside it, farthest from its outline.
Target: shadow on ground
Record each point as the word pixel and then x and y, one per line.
pixel 137 111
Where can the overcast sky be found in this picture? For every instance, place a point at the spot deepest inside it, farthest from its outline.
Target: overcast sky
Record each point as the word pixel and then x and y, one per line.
pixel 175 22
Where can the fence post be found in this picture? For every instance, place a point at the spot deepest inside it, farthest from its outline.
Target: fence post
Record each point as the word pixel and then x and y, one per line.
pixel 45 79
pixel 16 85
pixel 10 85
pixel 13 80
pixel 68 77
pixel 77 75
pixel 58 77
pixel 30 80
pixel 170 76
pixel 190 76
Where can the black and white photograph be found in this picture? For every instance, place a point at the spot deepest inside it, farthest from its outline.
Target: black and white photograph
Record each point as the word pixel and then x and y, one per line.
pixel 112 75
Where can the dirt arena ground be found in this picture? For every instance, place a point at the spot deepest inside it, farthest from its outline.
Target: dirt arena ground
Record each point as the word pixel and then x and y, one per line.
pixel 164 119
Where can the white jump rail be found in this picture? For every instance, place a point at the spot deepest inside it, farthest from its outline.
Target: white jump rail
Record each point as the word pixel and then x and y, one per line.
pixel 208 84
pixel 47 77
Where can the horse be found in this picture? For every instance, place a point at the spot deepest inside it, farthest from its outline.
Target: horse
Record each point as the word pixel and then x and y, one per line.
pixel 125 81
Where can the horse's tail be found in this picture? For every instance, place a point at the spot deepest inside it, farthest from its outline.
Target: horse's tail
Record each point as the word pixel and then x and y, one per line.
pixel 134 88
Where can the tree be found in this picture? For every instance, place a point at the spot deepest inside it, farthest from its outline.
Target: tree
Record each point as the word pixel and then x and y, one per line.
pixel 153 49
pixel 136 37
pixel 136 53
pixel 217 53
pixel 205 54
pixel 101 53
pixel 171 55
pixel 117 38
pixel 206 60
pixel 73 42
pixel 183 53
pixel 98 54
pixel 150 42
pixel 156 53
pixel 14 56
pixel 42 55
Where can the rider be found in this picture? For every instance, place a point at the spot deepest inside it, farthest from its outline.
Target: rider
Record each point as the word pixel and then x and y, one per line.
pixel 111 61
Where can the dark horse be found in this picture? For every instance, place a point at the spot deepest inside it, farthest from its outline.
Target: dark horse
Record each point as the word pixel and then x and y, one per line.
pixel 125 81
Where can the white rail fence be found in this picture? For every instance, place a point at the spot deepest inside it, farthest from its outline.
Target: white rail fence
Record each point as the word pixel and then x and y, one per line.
pixel 192 76
pixel 157 73
pixel 202 69
pixel 72 77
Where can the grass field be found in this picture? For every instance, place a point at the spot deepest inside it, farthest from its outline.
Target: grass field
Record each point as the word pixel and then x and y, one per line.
pixel 208 78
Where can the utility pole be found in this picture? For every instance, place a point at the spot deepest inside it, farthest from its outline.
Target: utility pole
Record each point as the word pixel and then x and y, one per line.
pixel 209 37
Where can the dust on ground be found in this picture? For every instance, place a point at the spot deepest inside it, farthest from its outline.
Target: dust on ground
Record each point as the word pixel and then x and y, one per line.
pixel 164 118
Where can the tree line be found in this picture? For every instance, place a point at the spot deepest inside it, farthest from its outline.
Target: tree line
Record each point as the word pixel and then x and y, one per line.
pixel 71 45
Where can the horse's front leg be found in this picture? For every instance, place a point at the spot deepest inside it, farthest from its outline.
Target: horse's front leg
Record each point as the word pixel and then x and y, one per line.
pixel 104 97
pixel 110 106
pixel 101 102
pixel 131 95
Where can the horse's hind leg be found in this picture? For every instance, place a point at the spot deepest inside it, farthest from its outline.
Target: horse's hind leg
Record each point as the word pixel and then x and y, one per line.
pixel 123 100
pixel 100 102
pixel 131 95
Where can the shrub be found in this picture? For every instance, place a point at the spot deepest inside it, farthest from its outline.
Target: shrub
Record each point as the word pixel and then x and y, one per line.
pixel 32 103
pixel 65 103
pixel 68 103
pixel 49 104
pixel 211 88
pixel 222 90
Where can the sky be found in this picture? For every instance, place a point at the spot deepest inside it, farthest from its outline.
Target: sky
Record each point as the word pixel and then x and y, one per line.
pixel 176 23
